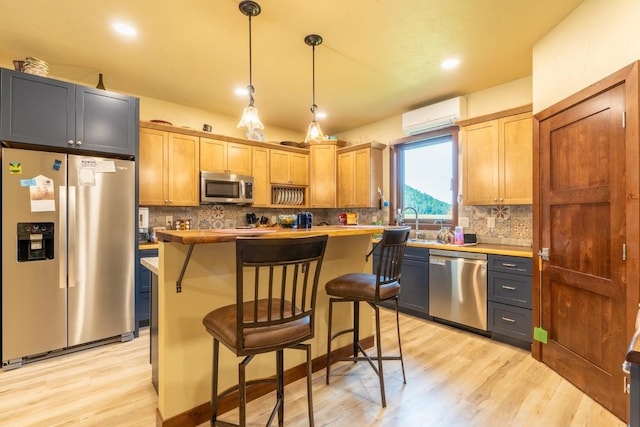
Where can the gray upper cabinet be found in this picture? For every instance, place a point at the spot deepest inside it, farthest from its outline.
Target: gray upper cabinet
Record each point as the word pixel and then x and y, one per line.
pixel 48 112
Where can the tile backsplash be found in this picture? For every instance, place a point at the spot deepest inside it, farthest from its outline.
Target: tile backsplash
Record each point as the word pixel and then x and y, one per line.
pixel 230 216
pixel 508 225
pixel 504 224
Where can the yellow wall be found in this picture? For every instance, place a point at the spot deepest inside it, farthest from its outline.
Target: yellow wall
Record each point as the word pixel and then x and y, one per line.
pixel 598 38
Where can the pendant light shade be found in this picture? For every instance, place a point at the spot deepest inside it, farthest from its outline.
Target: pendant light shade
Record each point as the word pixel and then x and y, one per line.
pixel 250 118
pixel 314 133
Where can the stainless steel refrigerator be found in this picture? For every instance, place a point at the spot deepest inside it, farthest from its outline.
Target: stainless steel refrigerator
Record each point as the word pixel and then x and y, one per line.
pixel 68 237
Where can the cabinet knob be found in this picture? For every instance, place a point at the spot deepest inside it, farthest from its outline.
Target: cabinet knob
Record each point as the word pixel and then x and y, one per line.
pixel 70 142
pixel 79 142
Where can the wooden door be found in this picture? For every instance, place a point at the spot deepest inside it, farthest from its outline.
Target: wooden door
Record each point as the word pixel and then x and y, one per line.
pixel 183 170
pixel 323 176
pixel 582 199
pixel 516 159
pixel 152 165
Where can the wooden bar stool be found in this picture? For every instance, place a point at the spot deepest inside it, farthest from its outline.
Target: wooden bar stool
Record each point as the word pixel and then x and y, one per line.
pixel 383 285
pixel 276 287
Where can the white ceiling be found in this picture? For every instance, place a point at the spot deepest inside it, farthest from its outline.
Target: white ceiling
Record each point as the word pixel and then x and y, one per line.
pixel 379 57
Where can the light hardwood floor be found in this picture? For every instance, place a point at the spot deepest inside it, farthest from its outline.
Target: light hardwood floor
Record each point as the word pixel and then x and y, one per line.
pixel 454 378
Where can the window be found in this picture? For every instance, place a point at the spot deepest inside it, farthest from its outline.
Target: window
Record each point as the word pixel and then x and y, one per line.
pixel 426 178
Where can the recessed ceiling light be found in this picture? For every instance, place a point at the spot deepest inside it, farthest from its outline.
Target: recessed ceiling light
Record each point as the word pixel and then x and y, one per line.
pixel 321 115
pixel 125 29
pixel 450 63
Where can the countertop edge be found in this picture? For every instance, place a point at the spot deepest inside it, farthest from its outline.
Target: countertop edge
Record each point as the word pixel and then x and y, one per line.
pixel 188 237
pixel 151 263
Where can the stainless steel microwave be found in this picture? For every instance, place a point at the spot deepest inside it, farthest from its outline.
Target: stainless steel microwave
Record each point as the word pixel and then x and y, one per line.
pixel 225 188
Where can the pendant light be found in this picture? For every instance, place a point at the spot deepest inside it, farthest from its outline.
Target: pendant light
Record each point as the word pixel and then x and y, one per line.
pixel 250 118
pixel 314 133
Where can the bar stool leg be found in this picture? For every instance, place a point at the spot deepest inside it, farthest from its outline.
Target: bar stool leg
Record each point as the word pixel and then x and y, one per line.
pixel 242 390
pixel 214 383
pixel 309 385
pixel 329 340
pixel 280 386
pixel 379 351
pixel 404 378
pixel 356 330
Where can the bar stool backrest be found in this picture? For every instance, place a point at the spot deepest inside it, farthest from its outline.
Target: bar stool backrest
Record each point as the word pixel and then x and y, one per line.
pixel 390 252
pixel 276 288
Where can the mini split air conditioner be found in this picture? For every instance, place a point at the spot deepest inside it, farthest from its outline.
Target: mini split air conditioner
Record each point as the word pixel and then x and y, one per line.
pixel 435 116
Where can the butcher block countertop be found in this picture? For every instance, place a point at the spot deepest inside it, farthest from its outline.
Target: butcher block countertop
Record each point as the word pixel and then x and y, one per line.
pixel 189 237
pixel 485 248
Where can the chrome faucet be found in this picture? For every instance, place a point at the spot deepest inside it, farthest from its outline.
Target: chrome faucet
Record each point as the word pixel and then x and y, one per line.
pixel 414 211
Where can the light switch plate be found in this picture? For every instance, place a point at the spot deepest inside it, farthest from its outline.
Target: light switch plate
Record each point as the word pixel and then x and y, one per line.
pixel 463 221
pixel 491 222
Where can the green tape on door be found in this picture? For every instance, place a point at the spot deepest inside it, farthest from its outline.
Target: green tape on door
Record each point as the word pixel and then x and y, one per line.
pixel 541 335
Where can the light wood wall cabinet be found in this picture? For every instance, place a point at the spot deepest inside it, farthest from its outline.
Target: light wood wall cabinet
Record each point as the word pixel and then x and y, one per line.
pixel 289 168
pixel 225 157
pixel 360 175
pixel 497 157
pixel 260 166
pixel 168 168
pixel 322 176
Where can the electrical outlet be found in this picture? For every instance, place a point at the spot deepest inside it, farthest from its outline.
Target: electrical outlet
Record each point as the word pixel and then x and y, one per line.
pixel 168 221
pixel 491 222
pixel 463 221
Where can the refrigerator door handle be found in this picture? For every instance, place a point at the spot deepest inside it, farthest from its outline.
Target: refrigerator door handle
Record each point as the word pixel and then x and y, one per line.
pixel 71 233
pixel 61 239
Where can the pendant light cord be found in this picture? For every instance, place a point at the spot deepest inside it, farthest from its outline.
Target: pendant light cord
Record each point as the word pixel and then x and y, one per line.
pixel 250 87
pixel 314 107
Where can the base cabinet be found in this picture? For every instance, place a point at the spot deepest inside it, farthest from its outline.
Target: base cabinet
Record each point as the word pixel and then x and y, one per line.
pixel 509 297
pixel 143 288
pixel 414 284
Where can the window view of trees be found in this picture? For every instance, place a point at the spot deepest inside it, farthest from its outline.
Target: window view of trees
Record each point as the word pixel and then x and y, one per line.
pixel 427 177
pixel 424 203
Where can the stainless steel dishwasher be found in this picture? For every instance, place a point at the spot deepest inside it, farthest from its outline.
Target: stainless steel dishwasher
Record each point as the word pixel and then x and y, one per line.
pixel 458 287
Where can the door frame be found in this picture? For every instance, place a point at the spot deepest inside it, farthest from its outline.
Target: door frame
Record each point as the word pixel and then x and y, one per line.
pixel 630 76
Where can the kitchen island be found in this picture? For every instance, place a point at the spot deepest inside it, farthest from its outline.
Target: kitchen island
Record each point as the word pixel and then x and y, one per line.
pixel 196 274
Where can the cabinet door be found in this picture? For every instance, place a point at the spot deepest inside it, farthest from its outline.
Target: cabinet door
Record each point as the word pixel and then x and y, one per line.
pixel 323 176
pixel 183 179
pixel 480 163
pixel 299 169
pixel 152 164
pixel 261 187
pixel 279 167
pixel 362 177
pixel 517 159
pixel 213 155
pixel 36 110
pixel 106 122
pixel 346 180
pixel 239 158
